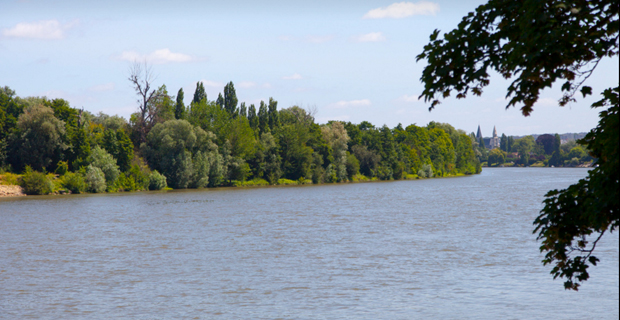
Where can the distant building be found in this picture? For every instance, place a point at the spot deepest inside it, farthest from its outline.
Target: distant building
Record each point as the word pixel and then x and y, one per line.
pixel 489 143
pixel 494 142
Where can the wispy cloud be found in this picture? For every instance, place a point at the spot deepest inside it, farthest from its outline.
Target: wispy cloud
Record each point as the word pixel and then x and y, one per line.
pixel 408 98
pixel 160 56
pixel 294 76
pixel 547 102
pixel 319 39
pixel 370 37
pixel 246 84
pixel 102 87
pixel 212 84
pixel 44 29
pixel 403 9
pixel 349 104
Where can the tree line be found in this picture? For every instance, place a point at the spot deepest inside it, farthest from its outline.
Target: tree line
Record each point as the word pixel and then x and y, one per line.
pixel 212 143
pixel 546 150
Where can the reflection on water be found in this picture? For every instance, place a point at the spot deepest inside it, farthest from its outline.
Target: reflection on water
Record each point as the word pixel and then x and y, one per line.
pixel 439 248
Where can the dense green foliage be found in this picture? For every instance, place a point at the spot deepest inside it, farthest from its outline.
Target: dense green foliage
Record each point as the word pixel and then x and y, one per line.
pixel 185 154
pixel 37 141
pixel 540 43
pixel 217 143
pixel 589 208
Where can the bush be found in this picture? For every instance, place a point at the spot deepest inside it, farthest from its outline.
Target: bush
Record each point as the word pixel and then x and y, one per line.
pixel 74 182
pixel 104 161
pixel 287 182
pixel 251 183
pixel 95 179
pixel 157 181
pixel 353 165
pixel 9 179
pixel 125 183
pixel 61 168
pixel 34 182
pixel 426 171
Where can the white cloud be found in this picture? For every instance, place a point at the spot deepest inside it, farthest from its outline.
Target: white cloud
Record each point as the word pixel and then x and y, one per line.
pixel 370 37
pixel 246 84
pixel 102 87
pixel 349 104
pixel 267 85
pixel 319 39
pixel 160 56
pixel 294 76
pixel 403 9
pixel 285 38
pixel 44 29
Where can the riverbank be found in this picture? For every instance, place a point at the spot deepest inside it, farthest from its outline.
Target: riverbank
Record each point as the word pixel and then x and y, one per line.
pixel 11 191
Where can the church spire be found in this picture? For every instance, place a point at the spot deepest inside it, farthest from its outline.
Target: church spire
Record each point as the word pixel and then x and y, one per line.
pixel 479 134
pixel 494 132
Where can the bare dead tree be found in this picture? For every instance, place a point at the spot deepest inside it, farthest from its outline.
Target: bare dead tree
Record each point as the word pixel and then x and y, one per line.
pixel 141 78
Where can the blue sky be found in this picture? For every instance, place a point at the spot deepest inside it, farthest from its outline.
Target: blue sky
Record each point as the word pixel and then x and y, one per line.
pixel 351 60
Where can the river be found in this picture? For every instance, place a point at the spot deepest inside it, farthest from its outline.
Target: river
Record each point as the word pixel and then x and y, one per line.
pixel 449 248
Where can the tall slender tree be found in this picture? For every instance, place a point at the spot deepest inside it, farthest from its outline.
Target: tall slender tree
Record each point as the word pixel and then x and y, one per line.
pixel 263 118
pixel 274 120
pixel 200 93
pixel 179 108
pixel 220 101
pixel 503 143
pixel 243 110
pixel 230 99
pixel 253 118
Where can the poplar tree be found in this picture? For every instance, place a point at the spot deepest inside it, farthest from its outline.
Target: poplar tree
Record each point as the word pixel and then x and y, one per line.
pixel 220 101
pixel 253 118
pixel 179 108
pixel 263 118
pixel 243 110
pixel 503 143
pixel 230 99
pixel 200 93
pixel 274 120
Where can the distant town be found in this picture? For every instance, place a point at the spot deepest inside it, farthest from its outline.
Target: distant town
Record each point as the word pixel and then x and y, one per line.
pixel 549 149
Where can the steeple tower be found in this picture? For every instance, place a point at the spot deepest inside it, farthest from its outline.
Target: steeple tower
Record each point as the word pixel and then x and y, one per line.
pixel 479 134
pixel 495 141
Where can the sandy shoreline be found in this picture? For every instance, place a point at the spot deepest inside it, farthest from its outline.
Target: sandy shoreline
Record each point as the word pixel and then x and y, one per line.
pixel 11 191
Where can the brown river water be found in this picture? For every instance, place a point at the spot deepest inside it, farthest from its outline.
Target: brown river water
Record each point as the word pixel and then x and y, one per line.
pixel 453 248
